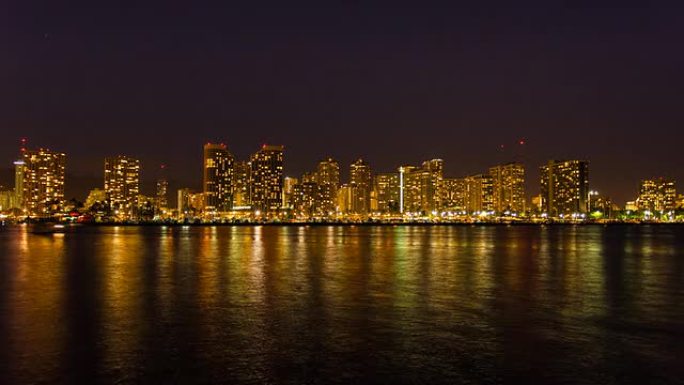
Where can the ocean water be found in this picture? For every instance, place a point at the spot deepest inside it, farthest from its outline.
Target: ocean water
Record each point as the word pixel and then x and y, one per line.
pixel 365 304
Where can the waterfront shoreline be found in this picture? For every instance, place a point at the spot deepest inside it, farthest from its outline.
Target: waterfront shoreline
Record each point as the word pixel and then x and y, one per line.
pixel 362 224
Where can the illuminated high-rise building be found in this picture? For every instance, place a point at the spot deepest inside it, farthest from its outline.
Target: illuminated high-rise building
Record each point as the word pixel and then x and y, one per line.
pixel 420 190
pixel 387 192
pixel 162 201
pixel 267 179
pixel 509 188
pixel 565 187
pixel 218 178
pixel 183 205
pixel 18 201
pixel 479 194
pixel 309 177
pixel 122 184
pixel 454 195
pixel 648 195
pixel 306 199
pixel 360 176
pixel 328 178
pixel 146 207
pixel 19 171
pixel 190 204
pixel 289 184
pixel 657 195
pixel 241 172
pixel 409 189
pixel 351 200
pixel 412 183
pixel 431 176
pixel 162 190
pixel 43 181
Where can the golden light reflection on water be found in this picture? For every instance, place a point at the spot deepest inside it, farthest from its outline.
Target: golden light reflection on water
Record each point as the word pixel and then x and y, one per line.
pixel 35 278
pixel 259 301
pixel 122 254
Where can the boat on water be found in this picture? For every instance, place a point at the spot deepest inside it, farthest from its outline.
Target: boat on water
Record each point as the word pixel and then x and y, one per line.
pixel 47 228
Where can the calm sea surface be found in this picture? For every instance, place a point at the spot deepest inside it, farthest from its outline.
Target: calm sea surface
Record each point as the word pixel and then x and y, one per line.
pixel 572 305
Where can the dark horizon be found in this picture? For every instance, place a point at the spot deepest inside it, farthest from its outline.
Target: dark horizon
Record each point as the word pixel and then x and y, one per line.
pixel 394 85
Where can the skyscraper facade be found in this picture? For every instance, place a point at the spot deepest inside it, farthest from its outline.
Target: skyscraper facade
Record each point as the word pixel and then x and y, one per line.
pixel 241 176
pixel 454 195
pixel 122 184
pixel 351 200
pixel 328 178
pixel 657 194
pixel 360 176
pixel 420 190
pixel 430 184
pixel 565 187
pixel 267 179
pixel 479 194
pixel 218 178
pixel 508 183
pixel 289 184
pixel 410 178
pixel 43 181
pixel 386 188
pixel 306 199
pixel 19 184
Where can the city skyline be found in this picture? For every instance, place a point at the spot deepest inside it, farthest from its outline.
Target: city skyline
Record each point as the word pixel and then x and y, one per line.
pixel 259 187
pixel 149 180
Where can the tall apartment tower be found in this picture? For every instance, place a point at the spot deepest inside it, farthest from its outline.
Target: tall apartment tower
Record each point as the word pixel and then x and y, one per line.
pixel 241 172
pixel 508 182
pixel 122 184
pixel 19 170
pixel 387 188
pixel 454 194
pixel 289 184
pixel 183 203
pixel 162 190
pixel 19 184
pixel 479 193
pixel 360 176
pixel 657 195
pixel 218 178
pixel 421 187
pixel 267 179
pixel 43 181
pixel 431 184
pixel 565 187
pixel 328 178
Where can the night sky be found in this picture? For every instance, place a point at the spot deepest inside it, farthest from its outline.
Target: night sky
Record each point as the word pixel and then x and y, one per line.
pixel 394 84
